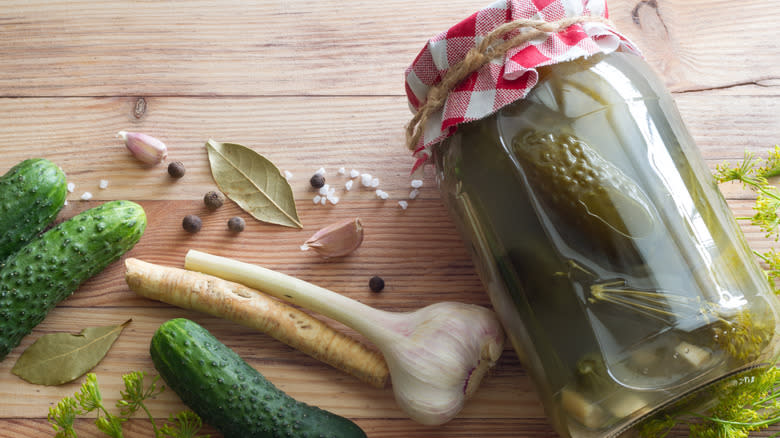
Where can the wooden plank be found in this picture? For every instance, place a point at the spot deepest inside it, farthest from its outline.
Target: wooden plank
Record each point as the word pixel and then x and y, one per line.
pixel 84 48
pixel 299 134
pixel 375 428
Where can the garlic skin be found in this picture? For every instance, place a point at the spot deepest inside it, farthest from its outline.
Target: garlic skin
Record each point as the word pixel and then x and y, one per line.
pixel 336 240
pixel 144 147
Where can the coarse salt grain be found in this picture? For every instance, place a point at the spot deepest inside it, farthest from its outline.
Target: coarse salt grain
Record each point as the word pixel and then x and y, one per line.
pixel 382 194
pixel 375 182
pixel 66 202
pixel 320 171
pixel 323 200
pixel 103 183
pixel 342 171
pixel 287 175
pixel 71 187
pixel 365 179
pixel 413 194
pixel 403 205
pixel 354 173
pixel 324 189
pixel 86 196
pixel 348 185
pixel 417 183
pixel 333 199
pixel 316 199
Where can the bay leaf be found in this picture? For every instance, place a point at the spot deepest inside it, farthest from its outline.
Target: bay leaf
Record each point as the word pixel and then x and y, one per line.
pixel 253 182
pixel 58 358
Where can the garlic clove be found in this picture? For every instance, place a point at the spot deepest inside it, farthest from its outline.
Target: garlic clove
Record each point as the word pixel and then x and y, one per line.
pixel 336 240
pixel 144 147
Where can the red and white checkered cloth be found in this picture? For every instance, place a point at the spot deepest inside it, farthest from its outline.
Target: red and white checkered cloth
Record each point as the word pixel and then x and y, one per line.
pixel 502 81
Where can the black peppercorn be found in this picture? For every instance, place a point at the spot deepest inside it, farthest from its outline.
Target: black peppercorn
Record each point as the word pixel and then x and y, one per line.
pixel 213 200
pixel 317 181
pixel 191 223
pixel 236 224
pixel 376 284
pixel 176 169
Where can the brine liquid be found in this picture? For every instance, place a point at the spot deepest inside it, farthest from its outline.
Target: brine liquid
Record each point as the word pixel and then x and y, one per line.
pixel 613 313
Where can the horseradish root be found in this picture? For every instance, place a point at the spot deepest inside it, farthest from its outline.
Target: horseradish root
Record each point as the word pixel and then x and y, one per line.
pixel 240 304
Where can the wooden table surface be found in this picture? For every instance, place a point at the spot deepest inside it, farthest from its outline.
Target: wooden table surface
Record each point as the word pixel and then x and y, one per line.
pixel 308 85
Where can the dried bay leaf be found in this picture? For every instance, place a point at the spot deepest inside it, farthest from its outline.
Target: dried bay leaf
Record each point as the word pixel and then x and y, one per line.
pixel 59 358
pixel 253 182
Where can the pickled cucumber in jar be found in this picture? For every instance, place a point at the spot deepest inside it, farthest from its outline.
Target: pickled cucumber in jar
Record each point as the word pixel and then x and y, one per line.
pixel 595 196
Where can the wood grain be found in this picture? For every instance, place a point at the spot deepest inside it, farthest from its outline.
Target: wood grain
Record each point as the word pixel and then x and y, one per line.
pixel 79 48
pixel 309 85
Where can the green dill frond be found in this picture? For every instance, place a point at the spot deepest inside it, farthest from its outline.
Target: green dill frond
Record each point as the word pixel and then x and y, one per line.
pixel 745 172
pixel 743 403
pixel 135 393
pixel 771 167
pixel 772 260
pixel 63 416
pixel 765 216
pixel 110 425
pixel 89 396
pixel 186 425
pixel 89 399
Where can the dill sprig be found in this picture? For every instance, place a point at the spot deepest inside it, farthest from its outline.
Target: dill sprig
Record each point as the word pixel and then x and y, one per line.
pixel 754 173
pixel 88 399
pixel 747 402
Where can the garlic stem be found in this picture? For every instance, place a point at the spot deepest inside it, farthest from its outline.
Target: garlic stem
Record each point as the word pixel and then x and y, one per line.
pixel 293 290
pixel 437 355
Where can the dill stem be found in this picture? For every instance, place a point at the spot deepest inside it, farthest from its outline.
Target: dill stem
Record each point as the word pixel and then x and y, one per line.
pixel 773 396
pixel 767 191
pixel 151 419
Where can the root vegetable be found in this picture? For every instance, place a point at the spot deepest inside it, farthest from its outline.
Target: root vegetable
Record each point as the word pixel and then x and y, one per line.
pixel 437 355
pixel 248 307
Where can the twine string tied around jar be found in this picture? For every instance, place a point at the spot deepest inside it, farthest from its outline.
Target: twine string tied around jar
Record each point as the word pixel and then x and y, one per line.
pixel 493 45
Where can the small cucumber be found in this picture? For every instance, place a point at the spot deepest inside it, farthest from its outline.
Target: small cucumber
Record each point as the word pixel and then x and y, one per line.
pixel 31 195
pixel 53 265
pixel 231 395
pixel 583 185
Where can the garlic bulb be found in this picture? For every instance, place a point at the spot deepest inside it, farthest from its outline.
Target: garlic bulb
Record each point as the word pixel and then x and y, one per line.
pixel 437 355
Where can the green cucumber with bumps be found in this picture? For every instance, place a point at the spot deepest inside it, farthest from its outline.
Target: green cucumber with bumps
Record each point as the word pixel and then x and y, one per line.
pixel 32 193
pixel 227 393
pixel 53 265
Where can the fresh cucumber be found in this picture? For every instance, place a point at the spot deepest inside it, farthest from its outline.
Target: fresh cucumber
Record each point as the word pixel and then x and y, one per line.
pixel 53 265
pixel 32 193
pixel 231 395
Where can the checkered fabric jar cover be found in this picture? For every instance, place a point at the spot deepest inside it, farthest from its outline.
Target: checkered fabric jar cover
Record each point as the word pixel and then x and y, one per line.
pixel 509 78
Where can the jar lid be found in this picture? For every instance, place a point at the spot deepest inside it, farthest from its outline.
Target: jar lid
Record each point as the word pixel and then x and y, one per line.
pixel 489 60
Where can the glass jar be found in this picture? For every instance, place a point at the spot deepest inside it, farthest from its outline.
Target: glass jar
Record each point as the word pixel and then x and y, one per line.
pixel 612 259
